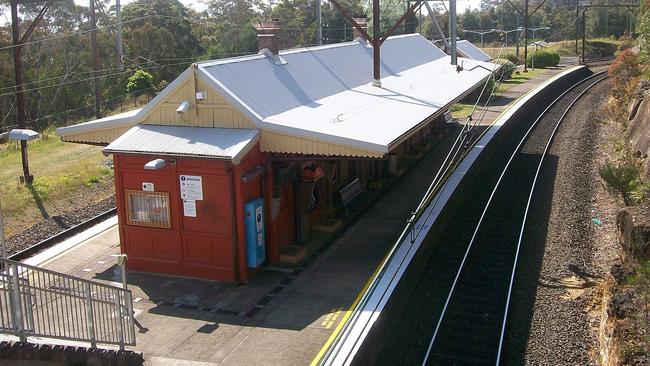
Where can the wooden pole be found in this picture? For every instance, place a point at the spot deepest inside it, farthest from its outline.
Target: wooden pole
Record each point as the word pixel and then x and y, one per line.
pixel 19 68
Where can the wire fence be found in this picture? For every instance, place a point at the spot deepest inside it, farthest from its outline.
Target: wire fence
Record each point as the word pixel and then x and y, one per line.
pixel 36 302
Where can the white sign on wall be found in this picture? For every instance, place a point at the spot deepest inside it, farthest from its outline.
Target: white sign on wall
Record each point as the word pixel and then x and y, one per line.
pixel 191 188
pixel 148 187
pixel 189 208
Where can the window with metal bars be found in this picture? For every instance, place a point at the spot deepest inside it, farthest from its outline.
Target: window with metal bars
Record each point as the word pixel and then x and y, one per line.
pixel 148 209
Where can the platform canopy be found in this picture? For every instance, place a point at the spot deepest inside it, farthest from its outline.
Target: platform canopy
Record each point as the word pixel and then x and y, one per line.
pixel 314 100
pixel 212 143
pixel 469 50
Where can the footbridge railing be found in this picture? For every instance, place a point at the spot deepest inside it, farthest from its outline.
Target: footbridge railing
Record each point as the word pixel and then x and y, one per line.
pixel 36 302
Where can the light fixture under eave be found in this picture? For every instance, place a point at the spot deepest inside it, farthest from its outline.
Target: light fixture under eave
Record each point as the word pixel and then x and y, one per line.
pixel 155 164
pixel 22 134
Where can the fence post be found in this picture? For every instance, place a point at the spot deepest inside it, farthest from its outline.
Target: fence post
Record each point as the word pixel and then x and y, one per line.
pixel 90 315
pixel 118 318
pixel 16 310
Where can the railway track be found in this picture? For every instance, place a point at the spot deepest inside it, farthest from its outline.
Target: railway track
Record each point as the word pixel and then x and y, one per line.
pixel 61 236
pixel 457 312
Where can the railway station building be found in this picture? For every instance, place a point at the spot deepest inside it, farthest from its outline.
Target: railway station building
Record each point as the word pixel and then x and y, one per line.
pixel 238 159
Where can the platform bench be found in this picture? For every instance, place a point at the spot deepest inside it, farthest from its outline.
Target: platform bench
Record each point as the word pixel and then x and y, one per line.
pixel 354 196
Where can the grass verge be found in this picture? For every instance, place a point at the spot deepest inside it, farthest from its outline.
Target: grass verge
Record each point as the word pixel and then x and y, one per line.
pixel 65 175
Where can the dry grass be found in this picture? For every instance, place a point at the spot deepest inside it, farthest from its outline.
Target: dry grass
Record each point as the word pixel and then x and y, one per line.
pixel 63 172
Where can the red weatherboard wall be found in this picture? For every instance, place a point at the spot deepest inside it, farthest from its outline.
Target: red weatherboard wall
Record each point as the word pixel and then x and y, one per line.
pixel 211 245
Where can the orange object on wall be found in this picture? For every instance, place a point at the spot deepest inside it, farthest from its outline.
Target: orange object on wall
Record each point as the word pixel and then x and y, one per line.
pixel 210 245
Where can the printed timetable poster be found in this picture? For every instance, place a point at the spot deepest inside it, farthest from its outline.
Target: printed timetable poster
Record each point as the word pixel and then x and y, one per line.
pixel 191 191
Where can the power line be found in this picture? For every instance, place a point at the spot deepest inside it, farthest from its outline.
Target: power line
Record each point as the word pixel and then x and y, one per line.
pixel 97 77
pixel 71 34
pixel 162 16
pixel 129 69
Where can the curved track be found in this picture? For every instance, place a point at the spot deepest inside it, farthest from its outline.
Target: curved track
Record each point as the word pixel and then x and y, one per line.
pixel 457 311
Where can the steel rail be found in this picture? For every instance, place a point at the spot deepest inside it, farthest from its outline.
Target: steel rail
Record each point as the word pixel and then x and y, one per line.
pixel 530 198
pixel 65 234
pixel 447 167
pixel 515 152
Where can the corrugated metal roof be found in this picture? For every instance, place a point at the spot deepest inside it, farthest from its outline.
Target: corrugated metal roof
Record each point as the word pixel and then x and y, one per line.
pixel 216 143
pixel 325 93
pixel 467 49
pixel 128 118
pixel 311 74
pixel 373 118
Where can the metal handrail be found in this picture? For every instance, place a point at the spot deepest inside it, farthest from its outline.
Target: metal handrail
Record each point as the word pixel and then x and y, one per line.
pixel 36 302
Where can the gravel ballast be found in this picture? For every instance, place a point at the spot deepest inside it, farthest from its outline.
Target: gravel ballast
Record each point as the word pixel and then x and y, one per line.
pixel 58 223
pixel 567 249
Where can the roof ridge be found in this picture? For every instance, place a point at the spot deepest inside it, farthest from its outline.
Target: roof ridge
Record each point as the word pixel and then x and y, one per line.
pixel 358 41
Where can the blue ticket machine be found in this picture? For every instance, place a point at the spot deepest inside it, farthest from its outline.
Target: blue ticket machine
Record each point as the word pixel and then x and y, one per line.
pixel 254 222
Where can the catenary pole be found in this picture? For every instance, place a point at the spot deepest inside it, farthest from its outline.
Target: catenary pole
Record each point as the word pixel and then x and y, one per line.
pixel 95 56
pixel 452 30
pixel 526 36
pixel 319 28
pixel 376 43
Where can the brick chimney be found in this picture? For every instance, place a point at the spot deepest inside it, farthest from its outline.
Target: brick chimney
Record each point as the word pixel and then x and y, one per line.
pixel 363 22
pixel 267 36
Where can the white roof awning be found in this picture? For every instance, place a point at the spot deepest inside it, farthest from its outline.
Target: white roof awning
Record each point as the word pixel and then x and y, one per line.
pixel 212 143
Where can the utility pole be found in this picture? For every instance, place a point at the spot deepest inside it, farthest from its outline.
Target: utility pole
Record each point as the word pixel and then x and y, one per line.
pixel 93 47
pixel 319 29
pixel 19 68
pixel 120 51
pixel 526 36
pixel 452 31
pixel 20 80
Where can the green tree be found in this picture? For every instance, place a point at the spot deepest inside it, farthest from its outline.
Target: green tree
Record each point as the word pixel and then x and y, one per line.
pixel 158 33
pixel 232 31
pixel 140 83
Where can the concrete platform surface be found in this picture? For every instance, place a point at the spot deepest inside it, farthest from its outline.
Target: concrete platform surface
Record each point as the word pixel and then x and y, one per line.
pixel 281 317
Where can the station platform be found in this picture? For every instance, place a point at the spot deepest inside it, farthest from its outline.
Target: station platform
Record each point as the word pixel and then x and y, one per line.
pixel 282 316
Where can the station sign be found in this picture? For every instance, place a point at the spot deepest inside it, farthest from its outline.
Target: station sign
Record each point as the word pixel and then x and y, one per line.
pixel 191 191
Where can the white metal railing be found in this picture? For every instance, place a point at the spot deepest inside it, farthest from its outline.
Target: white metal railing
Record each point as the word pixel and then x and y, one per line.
pixel 36 302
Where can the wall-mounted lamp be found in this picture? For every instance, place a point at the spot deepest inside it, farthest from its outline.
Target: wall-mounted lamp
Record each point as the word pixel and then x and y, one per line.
pixel 184 107
pixel 155 164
